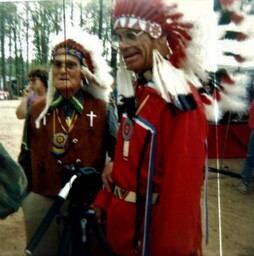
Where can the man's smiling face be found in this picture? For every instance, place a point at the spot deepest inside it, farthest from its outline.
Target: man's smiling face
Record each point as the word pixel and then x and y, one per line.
pixel 136 47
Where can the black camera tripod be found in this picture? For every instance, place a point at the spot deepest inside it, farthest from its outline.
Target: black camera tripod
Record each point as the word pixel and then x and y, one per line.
pixel 79 221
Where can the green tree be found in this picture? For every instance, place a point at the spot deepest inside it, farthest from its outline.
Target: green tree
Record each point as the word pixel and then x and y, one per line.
pixel 44 17
pixel 95 18
pixel 26 29
pixel 8 13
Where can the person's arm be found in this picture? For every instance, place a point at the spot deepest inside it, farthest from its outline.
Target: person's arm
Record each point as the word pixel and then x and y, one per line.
pixel 103 197
pixel 22 108
pixel 24 158
pixel 101 202
pixel 111 131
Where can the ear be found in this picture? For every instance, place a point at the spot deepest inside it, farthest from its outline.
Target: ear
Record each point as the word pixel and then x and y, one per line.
pixel 163 40
pixel 161 45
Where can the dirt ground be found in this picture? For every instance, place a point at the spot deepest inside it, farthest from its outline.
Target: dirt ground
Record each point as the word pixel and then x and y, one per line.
pixel 231 214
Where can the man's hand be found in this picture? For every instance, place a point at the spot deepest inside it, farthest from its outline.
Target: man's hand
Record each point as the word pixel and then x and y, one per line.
pixel 99 214
pixel 106 176
pixel 27 91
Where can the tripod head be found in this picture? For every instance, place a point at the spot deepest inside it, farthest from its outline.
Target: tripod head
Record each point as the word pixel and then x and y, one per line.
pixel 85 187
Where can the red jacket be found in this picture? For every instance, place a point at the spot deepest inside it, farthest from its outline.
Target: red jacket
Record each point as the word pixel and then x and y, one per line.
pixel 180 151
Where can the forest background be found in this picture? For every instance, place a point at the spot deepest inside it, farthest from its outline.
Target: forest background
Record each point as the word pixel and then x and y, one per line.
pixel 26 31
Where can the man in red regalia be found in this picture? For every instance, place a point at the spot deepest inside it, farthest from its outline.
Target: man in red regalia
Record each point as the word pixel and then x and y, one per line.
pixel 152 194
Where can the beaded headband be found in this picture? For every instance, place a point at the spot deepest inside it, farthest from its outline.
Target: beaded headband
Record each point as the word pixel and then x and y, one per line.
pixel 71 52
pixel 157 18
pixel 152 28
pixel 72 48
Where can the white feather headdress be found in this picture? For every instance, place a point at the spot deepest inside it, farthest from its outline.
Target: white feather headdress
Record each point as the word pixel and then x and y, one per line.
pixel 99 80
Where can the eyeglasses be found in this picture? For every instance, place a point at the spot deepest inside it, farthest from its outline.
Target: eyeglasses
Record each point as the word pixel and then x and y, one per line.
pixel 129 37
pixel 68 64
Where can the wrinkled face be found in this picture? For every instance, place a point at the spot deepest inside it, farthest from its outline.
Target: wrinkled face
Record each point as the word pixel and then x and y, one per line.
pixel 136 47
pixel 66 74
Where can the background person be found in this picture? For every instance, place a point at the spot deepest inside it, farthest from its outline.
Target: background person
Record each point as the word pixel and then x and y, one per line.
pixel 152 196
pixel 74 127
pixel 247 170
pixel 36 90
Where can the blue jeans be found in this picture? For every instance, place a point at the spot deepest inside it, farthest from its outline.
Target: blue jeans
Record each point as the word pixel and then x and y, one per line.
pixel 249 161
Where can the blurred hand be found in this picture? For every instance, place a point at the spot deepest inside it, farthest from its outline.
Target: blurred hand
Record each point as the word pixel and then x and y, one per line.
pixel 106 176
pixel 99 214
pixel 27 91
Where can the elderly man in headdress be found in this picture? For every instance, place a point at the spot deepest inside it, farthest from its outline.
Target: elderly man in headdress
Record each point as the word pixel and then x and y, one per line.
pixel 152 195
pixel 74 127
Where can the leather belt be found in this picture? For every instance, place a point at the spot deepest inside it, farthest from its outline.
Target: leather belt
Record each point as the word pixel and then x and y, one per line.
pixel 130 196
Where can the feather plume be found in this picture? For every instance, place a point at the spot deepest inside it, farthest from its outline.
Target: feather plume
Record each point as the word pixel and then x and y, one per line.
pixel 234 51
pixel 124 81
pixel 49 98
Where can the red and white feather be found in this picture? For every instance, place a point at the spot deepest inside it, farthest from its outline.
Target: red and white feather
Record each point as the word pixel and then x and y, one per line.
pixel 234 52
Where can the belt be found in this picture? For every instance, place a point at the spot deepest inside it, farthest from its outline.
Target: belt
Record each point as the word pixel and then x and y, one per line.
pixel 130 196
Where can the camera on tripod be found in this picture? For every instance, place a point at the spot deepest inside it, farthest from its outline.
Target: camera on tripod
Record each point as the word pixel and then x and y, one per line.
pixel 80 186
pixel 85 187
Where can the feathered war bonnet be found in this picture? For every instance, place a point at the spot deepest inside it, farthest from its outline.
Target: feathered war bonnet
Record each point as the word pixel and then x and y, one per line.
pixel 235 38
pixel 172 77
pixel 88 49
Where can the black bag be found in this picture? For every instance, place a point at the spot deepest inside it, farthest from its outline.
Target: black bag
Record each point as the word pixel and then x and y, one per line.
pixel 13 184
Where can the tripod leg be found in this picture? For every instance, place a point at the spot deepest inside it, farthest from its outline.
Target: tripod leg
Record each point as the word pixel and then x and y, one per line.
pixel 96 228
pixel 44 225
pixel 64 246
pixel 79 243
pixel 60 198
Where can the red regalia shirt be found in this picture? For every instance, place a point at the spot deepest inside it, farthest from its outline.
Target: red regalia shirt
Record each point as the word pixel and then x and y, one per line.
pixel 178 152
